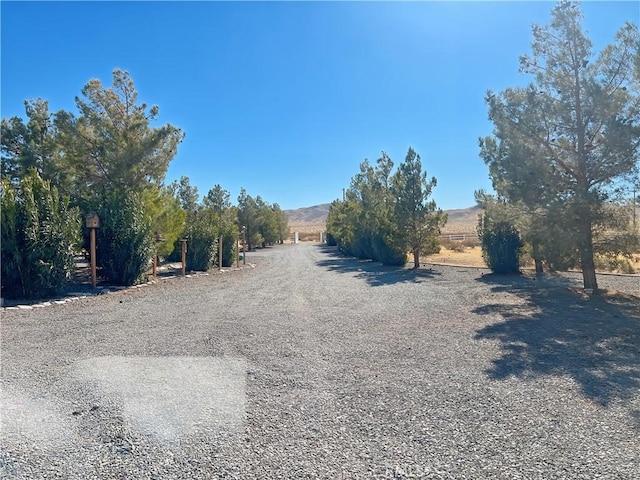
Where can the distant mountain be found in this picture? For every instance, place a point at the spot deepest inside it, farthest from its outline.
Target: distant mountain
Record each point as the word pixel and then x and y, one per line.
pixel 314 219
pixel 308 215
pixel 462 220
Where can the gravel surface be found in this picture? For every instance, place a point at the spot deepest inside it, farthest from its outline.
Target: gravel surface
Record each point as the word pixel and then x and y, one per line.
pixel 313 365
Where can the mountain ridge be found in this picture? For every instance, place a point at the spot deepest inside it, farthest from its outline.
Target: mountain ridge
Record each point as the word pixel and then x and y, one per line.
pixel 460 220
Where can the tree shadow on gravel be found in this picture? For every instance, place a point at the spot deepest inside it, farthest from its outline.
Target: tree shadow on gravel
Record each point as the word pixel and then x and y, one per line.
pixel 374 273
pixel 559 331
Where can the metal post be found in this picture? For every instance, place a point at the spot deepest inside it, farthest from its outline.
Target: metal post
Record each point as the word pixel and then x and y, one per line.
pixel 184 257
pixel 93 257
pixel 220 252
pixel 237 253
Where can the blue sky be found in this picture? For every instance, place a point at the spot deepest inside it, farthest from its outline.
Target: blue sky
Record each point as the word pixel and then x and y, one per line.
pixel 286 99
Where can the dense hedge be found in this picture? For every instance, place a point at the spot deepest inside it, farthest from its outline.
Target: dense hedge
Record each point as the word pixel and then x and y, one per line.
pixel 125 243
pixel 40 233
pixel 501 246
pixel 386 253
pixel 229 233
pixel 201 236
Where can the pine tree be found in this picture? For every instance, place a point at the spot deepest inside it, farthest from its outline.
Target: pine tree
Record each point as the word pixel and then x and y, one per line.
pixel 418 220
pixel 581 117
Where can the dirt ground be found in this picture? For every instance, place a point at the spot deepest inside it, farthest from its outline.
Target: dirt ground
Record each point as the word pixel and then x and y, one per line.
pixel 310 364
pixel 472 256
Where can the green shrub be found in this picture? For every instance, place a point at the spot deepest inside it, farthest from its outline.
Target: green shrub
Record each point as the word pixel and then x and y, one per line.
pixel 362 247
pixel 166 217
pixel 470 242
pixel 201 249
pixel 501 247
pixel 124 241
pixel 560 252
pixel 331 240
pixel 453 245
pixel 386 253
pixel 457 247
pixel 201 241
pixel 176 252
pixel 431 246
pixel 40 233
pixel 229 234
pixel 345 247
pixel 613 263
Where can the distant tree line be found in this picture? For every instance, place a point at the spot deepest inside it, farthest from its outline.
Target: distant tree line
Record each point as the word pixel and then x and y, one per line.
pixel 109 159
pixel 385 214
pixel 564 154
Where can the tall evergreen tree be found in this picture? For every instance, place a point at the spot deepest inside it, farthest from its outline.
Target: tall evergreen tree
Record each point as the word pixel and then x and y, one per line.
pixel 112 144
pixel 282 222
pixel 224 217
pixel 248 218
pixel 218 200
pixel 35 145
pixel 186 193
pixel 383 216
pixel 582 112
pixel 267 222
pixel 419 221
pixel 339 228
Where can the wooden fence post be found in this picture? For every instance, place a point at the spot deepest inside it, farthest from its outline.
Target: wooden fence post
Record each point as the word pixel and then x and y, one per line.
pixel 184 257
pixel 93 258
pixel 92 222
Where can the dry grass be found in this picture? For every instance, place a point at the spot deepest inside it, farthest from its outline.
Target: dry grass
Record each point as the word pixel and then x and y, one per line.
pixel 472 256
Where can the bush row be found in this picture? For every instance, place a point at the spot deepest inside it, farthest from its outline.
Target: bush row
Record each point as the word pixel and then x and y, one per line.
pixel 41 233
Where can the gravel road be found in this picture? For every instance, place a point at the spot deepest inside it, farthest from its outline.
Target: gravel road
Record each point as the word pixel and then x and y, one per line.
pixel 313 365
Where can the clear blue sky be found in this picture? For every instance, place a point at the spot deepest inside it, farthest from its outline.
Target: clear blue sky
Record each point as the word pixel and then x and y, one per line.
pixel 286 99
